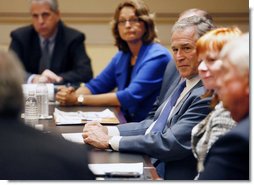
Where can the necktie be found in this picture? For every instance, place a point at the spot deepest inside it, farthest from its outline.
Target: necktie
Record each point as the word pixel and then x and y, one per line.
pixel 45 57
pixel 162 119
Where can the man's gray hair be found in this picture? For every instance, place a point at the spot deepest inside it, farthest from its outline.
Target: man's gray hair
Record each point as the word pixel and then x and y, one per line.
pixel 11 78
pixel 52 3
pixel 197 12
pixel 237 53
pixel 201 24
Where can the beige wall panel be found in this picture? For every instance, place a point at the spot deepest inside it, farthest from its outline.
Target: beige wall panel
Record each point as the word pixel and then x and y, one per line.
pixel 108 6
pixel 93 16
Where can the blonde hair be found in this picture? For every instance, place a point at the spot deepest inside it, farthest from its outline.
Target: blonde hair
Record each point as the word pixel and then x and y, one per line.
pixel 215 39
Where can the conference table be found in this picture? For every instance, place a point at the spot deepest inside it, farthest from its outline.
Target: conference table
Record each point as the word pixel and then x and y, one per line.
pixel 98 156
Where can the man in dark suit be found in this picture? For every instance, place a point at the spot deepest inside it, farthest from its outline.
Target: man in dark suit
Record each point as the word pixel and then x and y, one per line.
pixel 171 145
pixel 26 153
pixel 50 51
pixel 228 158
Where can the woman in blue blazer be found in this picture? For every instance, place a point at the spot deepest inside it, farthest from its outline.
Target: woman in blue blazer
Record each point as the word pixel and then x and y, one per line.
pixel 135 71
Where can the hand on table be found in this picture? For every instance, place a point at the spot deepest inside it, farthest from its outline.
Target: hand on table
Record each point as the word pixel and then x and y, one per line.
pixel 96 135
pixel 66 96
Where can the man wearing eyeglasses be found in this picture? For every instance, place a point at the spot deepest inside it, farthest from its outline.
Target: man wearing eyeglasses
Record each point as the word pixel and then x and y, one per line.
pixel 50 51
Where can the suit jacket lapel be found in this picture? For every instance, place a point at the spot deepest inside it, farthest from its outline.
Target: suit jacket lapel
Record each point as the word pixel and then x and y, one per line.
pixel 58 49
pixel 36 53
pixel 179 105
pixel 172 88
pixel 167 95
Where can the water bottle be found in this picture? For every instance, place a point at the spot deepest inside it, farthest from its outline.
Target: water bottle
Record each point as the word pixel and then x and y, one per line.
pixel 42 98
pixel 31 108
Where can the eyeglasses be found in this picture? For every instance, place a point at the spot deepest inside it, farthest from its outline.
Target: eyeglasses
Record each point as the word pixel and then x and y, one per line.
pixel 131 21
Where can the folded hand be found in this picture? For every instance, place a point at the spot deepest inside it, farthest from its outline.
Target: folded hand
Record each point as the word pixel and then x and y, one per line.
pixel 96 135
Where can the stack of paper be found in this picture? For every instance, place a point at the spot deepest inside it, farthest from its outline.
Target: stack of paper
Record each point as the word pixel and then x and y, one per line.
pixel 79 117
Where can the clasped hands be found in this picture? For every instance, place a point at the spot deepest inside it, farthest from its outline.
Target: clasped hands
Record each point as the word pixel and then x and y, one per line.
pixel 66 96
pixel 96 135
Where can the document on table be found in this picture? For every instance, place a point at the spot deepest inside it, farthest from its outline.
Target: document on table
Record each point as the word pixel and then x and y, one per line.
pixel 73 137
pixel 106 168
pixel 79 117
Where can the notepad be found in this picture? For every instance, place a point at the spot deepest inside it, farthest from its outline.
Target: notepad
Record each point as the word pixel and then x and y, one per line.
pixel 79 117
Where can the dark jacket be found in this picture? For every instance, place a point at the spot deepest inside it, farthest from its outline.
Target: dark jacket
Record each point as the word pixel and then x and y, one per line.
pixel 29 154
pixel 69 58
pixel 228 158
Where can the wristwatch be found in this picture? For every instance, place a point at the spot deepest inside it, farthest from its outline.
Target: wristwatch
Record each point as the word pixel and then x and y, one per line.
pixel 81 99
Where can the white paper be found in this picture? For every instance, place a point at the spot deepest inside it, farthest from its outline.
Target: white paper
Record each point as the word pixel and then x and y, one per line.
pixel 73 137
pixel 79 117
pixel 102 169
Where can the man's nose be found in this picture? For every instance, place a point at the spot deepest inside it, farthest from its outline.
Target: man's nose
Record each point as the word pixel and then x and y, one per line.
pixel 179 55
pixel 40 19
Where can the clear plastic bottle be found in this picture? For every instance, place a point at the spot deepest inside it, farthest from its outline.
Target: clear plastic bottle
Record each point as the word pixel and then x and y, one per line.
pixel 31 108
pixel 42 98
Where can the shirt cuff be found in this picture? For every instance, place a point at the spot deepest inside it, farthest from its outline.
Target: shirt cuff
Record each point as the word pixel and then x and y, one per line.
pixel 113 131
pixel 30 79
pixel 114 142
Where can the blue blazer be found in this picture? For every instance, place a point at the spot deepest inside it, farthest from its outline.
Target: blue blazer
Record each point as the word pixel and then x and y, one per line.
pixel 69 59
pixel 228 158
pixel 138 96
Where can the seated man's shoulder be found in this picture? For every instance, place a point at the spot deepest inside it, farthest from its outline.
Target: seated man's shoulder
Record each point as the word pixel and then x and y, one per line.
pixel 242 129
pixel 72 32
pixel 23 31
pixel 198 90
